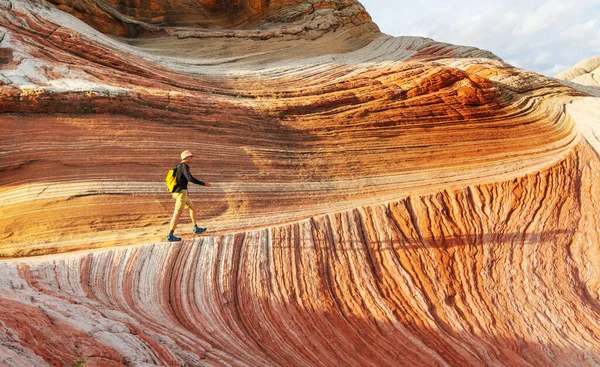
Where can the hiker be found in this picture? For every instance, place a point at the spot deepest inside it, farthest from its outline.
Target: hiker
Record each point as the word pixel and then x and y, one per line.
pixel 180 194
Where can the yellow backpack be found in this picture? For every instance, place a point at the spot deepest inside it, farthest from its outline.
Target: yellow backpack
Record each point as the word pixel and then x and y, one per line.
pixel 171 179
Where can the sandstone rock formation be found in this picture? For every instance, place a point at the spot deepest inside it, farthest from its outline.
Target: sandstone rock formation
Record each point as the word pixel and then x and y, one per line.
pixel 584 76
pixel 376 201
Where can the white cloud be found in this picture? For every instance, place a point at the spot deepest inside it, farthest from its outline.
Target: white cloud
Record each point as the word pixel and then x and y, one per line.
pixel 539 35
pixel 542 59
pixel 543 17
pixel 556 69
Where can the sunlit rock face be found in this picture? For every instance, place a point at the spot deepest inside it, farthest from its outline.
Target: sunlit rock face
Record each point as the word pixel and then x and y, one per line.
pixel 130 18
pixel 375 201
pixel 585 76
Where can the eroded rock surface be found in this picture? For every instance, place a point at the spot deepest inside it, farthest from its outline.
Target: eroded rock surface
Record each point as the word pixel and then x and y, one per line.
pixel 376 200
pixel 584 76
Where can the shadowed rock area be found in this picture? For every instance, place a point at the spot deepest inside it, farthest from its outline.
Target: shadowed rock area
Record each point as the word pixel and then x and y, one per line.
pixel 375 200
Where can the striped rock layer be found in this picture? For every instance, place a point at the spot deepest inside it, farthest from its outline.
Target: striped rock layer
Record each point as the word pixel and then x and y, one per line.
pixel 375 200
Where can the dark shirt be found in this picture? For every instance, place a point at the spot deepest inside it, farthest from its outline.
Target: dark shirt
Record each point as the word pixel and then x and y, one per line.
pixel 184 176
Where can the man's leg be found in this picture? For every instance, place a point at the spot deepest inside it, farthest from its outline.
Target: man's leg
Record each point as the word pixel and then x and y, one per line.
pixel 193 215
pixel 192 208
pixel 175 219
pixel 176 214
pixel 196 229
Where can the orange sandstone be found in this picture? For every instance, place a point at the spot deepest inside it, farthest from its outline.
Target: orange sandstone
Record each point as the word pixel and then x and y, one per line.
pixel 376 201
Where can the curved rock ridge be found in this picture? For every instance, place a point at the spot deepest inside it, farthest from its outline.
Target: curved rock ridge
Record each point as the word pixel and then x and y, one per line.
pixel 496 274
pixel 283 140
pixel 375 200
pixel 584 76
pixel 135 18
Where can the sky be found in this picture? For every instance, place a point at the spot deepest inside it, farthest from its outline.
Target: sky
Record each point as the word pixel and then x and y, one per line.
pixel 545 36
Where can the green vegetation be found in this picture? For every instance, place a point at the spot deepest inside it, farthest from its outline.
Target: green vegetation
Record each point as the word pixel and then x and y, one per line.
pixel 80 363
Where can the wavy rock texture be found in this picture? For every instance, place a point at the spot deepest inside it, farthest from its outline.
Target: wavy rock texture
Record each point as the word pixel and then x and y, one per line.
pixel 376 201
pixel 132 18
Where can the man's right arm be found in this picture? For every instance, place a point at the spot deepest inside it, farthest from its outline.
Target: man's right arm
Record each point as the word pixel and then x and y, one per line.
pixel 186 172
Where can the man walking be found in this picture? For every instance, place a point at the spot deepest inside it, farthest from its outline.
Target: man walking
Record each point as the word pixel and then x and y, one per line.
pixel 180 194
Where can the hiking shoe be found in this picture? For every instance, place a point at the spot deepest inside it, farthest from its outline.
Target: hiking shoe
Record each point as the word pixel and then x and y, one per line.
pixel 173 238
pixel 199 230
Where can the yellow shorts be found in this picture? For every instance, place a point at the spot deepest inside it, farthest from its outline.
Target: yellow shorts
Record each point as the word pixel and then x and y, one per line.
pixel 183 200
